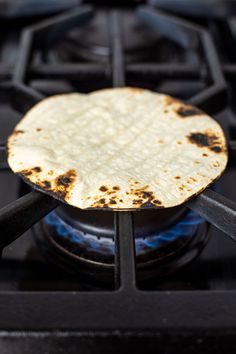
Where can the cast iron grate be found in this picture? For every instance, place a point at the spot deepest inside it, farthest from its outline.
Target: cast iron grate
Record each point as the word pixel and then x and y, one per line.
pixel 185 34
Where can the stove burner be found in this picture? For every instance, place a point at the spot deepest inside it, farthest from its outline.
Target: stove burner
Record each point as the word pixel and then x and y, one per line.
pixel 140 42
pixel 86 254
pixel 185 228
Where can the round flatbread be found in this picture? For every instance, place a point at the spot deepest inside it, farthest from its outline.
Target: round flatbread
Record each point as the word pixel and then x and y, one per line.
pixel 120 148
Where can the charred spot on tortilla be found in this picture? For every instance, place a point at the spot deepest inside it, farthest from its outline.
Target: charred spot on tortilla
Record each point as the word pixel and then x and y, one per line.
pixel 112 201
pixel 103 189
pixel 32 171
pixel 46 184
pixel 17 132
pixel 147 194
pixel 192 179
pixel 116 188
pixel 182 109
pixel 170 101
pixel 100 204
pixel 188 111
pixel 26 172
pixel 146 199
pixel 216 148
pixel 156 201
pixel 206 139
pixel 216 164
pixel 37 169
pixel 66 178
pixel 64 184
pixel 144 188
pixel 138 201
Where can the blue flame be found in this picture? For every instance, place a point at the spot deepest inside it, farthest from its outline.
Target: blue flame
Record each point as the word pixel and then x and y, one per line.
pixel 185 228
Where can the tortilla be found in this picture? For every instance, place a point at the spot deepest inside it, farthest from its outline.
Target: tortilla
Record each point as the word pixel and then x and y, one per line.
pixel 120 148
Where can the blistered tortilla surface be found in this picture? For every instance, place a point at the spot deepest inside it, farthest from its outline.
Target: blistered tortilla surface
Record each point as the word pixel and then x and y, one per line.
pixel 121 148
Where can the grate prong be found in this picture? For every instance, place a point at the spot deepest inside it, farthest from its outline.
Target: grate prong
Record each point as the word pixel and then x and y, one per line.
pixel 125 273
pixel 117 60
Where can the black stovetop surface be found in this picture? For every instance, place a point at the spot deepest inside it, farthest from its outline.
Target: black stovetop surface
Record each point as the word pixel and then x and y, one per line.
pixel 23 269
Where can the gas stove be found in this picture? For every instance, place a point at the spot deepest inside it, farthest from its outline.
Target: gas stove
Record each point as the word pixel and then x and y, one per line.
pixel 96 280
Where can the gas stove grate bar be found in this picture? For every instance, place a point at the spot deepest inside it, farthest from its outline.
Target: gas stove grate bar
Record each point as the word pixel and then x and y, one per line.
pixel 20 215
pixel 218 89
pixel 149 71
pixel 24 56
pixel 212 58
pixel 3 157
pixel 125 276
pixel 69 71
pixel 213 98
pixel 49 31
pixel 117 60
pixel 44 34
pixel 24 97
pixel 125 272
pixel 153 71
pixel 170 26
